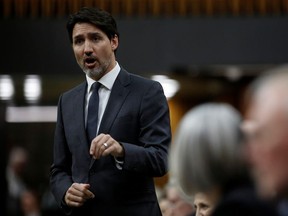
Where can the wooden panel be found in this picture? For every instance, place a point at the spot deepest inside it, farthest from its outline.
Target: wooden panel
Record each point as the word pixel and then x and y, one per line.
pixel 61 8
pixel 285 6
pixel 20 7
pixel 142 7
pixel 156 8
pixel 209 7
pixel 46 8
pixel 102 4
pixel 181 7
pixel 74 6
pixel 196 7
pixel 235 7
pixel 88 3
pixel 34 8
pixel 128 8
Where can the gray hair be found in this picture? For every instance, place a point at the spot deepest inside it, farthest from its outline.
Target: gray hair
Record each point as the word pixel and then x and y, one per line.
pixel 206 148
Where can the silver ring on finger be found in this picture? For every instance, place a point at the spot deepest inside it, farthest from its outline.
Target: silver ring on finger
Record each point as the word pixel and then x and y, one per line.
pixel 105 145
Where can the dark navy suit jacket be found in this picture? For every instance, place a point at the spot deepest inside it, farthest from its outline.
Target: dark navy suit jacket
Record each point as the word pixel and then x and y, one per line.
pixel 137 116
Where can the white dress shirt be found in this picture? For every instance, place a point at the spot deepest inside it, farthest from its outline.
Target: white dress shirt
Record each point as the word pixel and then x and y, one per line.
pixel 104 92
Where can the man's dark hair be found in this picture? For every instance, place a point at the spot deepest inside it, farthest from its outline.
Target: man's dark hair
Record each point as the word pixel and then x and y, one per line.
pixel 95 16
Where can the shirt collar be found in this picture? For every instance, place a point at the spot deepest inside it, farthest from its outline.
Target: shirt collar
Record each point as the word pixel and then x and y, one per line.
pixel 107 80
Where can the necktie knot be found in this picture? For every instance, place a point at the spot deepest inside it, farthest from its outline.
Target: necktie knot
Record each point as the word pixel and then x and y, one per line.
pixel 95 86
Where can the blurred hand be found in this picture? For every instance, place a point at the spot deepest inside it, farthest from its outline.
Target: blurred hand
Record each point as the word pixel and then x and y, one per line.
pixel 78 194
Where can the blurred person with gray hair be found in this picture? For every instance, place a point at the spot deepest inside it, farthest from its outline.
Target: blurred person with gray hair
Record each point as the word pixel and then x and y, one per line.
pixel 206 157
pixel 266 126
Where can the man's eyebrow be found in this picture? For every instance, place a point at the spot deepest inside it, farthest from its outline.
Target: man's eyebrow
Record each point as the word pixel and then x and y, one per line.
pixel 89 34
pixel 77 36
pixel 95 34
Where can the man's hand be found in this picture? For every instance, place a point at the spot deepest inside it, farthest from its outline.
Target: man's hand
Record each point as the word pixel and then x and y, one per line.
pixel 78 194
pixel 104 145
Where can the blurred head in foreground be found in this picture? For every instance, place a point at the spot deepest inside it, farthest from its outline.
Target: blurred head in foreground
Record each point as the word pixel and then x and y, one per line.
pixel 266 126
pixel 206 155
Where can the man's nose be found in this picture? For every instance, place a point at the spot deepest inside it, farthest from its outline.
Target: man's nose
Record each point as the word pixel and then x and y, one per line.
pixel 198 212
pixel 88 49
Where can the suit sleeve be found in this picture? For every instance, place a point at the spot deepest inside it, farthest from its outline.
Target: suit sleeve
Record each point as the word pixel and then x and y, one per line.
pixel 155 134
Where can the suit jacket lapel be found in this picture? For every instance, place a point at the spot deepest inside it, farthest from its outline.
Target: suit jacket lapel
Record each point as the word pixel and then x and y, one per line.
pixel 79 113
pixel 118 95
pixel 79 120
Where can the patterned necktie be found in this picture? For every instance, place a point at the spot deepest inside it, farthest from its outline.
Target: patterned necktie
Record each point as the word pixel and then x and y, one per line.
pixel 92 116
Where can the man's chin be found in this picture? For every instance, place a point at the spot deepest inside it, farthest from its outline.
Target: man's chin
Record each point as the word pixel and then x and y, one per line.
pixel 265 187
pixel 263 184
pixel 92 73
pixel 265 192
pixel 270 185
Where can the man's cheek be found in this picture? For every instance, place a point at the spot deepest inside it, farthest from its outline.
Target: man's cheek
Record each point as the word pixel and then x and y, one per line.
pixel 259 159
pixel 252 154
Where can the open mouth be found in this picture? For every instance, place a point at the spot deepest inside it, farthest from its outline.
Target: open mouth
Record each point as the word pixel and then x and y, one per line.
pixel 90 62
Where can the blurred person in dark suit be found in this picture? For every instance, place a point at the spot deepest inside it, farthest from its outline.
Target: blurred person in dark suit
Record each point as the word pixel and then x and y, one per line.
pixel 104 164
pixel 266 126
pixel 207 157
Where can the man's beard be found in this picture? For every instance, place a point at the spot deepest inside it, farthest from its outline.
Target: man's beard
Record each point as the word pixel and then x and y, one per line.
pixel 97 72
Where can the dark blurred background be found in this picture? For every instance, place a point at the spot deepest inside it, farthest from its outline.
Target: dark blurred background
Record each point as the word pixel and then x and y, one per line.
pixel 210 50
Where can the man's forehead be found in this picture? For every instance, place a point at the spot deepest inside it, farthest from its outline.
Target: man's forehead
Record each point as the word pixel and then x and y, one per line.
pixel 270 96
pixel 86 28
pixel 266 112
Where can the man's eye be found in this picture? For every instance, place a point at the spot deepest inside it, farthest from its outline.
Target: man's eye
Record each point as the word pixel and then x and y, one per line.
pixel 78 41
pixel 204 206
pixel 96 39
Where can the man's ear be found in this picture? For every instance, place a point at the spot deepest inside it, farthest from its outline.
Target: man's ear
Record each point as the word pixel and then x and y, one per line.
pixel 114 42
